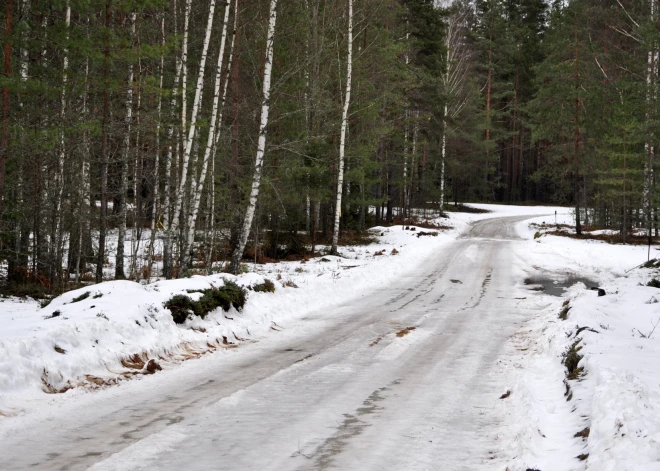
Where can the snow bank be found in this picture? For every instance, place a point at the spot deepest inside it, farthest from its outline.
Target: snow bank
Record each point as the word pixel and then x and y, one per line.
pixel 95 340
pixel 615 401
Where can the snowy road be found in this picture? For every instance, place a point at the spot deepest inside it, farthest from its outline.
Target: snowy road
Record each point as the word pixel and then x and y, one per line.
pixel 405 378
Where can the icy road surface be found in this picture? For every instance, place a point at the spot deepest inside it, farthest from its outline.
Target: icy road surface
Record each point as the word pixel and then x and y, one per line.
pixel 405 378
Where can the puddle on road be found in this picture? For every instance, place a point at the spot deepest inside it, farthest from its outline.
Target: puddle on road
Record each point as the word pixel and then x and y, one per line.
pixel 557 286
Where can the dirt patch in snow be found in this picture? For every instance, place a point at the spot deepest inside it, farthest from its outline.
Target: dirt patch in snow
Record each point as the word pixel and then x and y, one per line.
pixel 405 331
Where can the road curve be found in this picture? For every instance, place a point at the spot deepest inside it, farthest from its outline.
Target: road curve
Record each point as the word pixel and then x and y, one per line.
pixel 407 377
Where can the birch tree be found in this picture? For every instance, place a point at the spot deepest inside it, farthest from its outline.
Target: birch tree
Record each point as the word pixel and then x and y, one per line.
pixel 454 82
pixel 344 126
pixel 261 143
pixel 210 141
pixel 193 125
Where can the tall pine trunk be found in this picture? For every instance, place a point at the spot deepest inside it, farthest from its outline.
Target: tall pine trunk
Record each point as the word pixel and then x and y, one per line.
pixel 4 132
pixel 123 192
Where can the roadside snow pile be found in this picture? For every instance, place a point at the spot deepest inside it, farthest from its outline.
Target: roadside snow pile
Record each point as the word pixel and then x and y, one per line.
pixel 102 333
pixel 107 331
pixel 591 386
pixel 114 329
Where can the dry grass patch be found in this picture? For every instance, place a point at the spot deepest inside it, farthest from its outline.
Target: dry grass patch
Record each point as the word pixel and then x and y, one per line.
pixel 406 331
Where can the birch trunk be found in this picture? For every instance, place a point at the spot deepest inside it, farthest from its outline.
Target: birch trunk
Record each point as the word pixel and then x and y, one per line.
pixel 647 195
pixel 216 121
pixel 167 259
pixel 184 67
pixel 344 124
pixel 261 144
pixel 443 154
pixel 136 232
pixel 230 61
pixel 121 237
pixel 193 123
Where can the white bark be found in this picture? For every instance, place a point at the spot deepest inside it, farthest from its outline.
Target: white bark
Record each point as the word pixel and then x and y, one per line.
pixel 443 154
pixel 136 232
pixel 230 61
pixel 651 74
pixel 344 125
pixel 167 246
pixel 454 81
pixel 119 261
pixel 215 121
pixel 193 121
pixel 261 143
pixel 184 67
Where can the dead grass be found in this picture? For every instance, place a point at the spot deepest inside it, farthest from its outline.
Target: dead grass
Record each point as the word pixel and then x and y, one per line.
pixel 583 433
pixel 463 208
pixel 376 342
pixel 564 230
pixel 405 331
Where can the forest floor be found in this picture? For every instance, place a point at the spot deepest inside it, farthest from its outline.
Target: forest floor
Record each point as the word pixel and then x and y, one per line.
pixel 436 352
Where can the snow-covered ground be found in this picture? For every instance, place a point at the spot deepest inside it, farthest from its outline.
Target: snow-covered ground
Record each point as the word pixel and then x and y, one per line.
pixel 608 413
pixel 70 345
pixel 607 416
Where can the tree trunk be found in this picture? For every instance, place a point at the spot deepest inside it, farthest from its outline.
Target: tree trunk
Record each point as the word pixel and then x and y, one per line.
pixel 123 192
pixel 4 133
pixel 216 122
pixel 193 123
pixel 576 149
pixel 156 179
pixel 344 125
pixel 261 144
pixel 167 245
pixel 103 216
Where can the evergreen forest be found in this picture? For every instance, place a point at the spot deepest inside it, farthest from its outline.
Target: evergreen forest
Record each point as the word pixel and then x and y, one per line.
pixel 160 138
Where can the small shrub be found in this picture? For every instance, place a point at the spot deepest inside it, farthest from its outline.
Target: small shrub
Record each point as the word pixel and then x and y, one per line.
pixel 45 302
pixel 563 314
pixel 266 287
pixel 97 295
pixel 654 283
pixel 537 234
pixel 182 306
pixel 572 359
pixel 53 315
pixel 83 296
